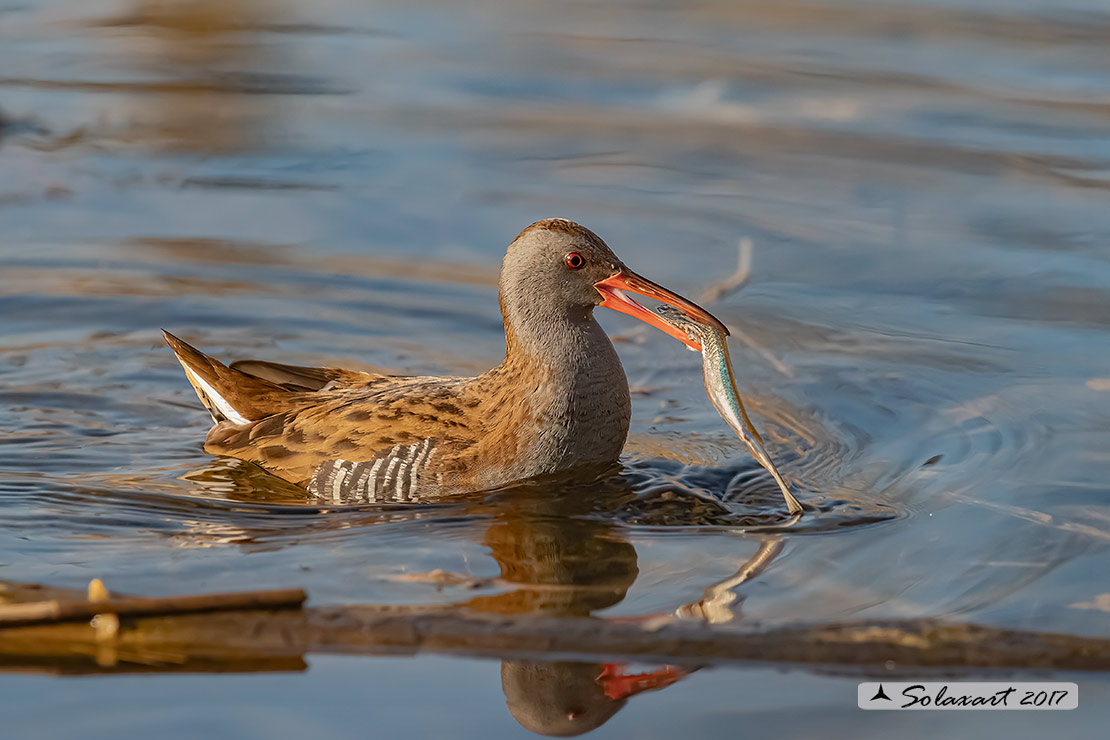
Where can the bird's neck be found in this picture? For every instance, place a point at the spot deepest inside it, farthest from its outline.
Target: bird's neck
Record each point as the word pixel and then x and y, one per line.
pixel 563 372
pixel 562 345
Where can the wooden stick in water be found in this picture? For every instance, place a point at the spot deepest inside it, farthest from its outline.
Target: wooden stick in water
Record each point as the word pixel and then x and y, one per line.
pixel 258 639
pixel 47 612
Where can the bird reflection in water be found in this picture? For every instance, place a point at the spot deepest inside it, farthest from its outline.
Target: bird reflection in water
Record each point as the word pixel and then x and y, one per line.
pixel 565 564
pixel 562 551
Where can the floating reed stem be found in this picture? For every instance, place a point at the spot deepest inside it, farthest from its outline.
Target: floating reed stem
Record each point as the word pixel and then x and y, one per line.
pixel 55 610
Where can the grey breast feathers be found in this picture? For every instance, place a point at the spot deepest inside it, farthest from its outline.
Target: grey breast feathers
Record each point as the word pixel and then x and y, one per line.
pixel 395 475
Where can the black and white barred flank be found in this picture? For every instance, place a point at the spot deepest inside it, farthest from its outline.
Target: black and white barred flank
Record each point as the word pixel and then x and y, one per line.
pixel 393 476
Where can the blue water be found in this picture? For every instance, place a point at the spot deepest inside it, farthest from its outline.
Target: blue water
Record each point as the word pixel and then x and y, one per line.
pixel 923 338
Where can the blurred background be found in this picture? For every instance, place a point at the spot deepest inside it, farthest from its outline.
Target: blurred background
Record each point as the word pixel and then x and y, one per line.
pixel 924 337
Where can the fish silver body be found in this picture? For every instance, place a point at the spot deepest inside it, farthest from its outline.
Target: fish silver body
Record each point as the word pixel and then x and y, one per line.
pixel 721 389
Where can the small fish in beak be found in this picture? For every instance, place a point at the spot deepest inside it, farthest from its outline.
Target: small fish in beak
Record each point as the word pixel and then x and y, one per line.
pixel 721 387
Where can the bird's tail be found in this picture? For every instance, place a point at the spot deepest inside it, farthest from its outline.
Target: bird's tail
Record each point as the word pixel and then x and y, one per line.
pixel 229 394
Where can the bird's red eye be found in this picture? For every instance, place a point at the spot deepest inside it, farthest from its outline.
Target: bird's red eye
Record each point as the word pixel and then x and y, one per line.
pixel 575 261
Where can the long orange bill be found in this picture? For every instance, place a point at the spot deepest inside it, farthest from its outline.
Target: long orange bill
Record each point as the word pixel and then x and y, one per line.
pixel 613 289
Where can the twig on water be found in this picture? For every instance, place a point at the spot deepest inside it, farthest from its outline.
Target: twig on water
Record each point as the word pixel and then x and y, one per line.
pixel 731 285
pixel 256 638
pixel 55 610
pixel 735 281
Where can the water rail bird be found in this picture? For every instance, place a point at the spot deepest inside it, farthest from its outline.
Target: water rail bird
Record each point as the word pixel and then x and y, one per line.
pixel 559 399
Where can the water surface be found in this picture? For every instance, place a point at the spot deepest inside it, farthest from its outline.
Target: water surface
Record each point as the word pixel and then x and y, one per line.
pixel 923 339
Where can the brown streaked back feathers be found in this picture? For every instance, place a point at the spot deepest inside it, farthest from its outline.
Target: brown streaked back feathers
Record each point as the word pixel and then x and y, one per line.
pixel 292 419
